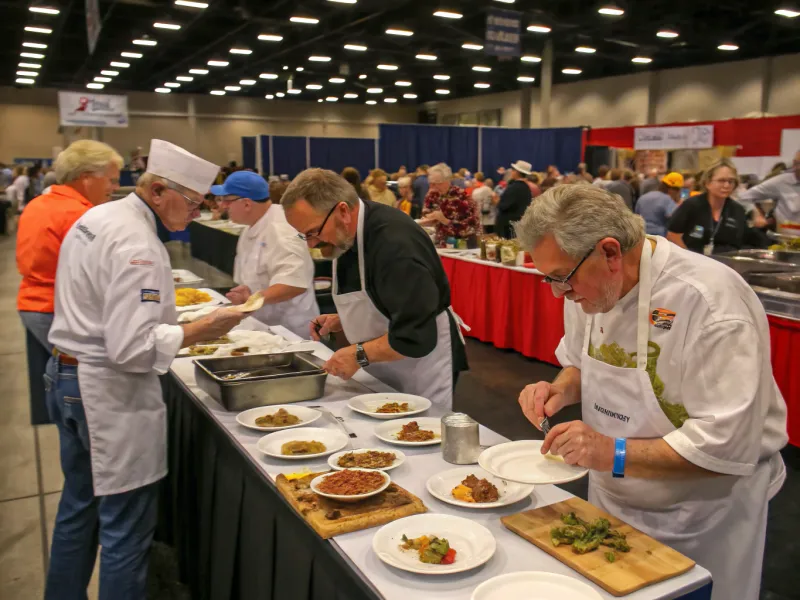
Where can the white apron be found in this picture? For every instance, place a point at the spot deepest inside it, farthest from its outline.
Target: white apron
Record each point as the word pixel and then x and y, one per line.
pixel 430 376
pixel 719 522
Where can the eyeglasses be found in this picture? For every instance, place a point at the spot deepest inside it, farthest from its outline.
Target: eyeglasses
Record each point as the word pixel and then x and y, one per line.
pixel 730 182
pixel 310 236
pixel 229 200
pixel 193 204
pixel 563 284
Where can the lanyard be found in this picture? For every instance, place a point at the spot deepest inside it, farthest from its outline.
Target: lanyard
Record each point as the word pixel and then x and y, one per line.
pixel 719 223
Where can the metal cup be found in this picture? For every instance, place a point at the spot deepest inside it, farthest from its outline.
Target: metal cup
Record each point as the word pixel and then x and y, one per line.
pixel 461 443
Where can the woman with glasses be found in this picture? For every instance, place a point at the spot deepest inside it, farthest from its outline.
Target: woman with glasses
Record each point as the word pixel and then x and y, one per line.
pixel 711 222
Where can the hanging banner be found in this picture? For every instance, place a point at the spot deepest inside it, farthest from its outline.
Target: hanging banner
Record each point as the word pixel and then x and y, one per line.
pixel 503 37
pixel 78 109
pixel 93 24
pixel 692 137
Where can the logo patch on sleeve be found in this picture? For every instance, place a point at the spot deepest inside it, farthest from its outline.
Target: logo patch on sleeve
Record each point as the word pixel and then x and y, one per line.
pixel 662 318
pixel 151 296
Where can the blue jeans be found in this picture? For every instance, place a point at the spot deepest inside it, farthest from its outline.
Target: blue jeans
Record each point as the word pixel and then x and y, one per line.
pixel 122 523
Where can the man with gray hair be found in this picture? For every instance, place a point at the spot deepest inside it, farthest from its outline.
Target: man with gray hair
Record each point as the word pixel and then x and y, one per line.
pixel 668 353
pixel 389 287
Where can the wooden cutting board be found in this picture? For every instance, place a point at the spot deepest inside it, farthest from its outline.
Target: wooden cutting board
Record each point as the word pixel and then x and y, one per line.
pixel 329 517
pixel 648 562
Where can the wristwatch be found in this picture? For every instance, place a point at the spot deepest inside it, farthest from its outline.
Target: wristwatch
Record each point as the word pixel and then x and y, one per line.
pixel 361 356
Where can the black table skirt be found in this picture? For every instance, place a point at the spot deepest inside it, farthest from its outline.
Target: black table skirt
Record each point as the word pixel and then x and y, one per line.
pixel 214 246
pixel 236 537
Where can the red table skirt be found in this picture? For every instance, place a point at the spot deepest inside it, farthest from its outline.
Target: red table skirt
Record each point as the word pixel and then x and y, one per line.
pixel 512 309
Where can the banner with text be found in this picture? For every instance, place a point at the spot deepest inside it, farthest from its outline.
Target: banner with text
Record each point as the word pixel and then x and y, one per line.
pixel 503 37
pixel 79 109
pixel 693 137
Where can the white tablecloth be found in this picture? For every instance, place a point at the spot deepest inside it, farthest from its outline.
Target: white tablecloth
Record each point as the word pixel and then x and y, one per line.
pixel 513 552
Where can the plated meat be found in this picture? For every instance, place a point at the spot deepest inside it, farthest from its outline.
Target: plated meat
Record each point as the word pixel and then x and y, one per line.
pixel 282 418
pixel 477 490
pixel 412 433
pixel 372 459
pixel 393 407
pixel 298 448
pixel 351 483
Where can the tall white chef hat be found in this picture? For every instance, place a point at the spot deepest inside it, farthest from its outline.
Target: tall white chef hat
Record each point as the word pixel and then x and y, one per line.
pixel 179 166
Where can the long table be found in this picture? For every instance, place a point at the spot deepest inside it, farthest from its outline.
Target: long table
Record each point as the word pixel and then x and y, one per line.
pixel 236 536
pixel 510 307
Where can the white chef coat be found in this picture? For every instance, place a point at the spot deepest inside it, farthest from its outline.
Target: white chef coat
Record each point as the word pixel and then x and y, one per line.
pixel 115 312
pixel 270 253
pixel 712 357
pixel 784 190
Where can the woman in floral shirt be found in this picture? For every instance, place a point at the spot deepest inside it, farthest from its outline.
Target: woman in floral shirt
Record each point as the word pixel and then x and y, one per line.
pixel 463 212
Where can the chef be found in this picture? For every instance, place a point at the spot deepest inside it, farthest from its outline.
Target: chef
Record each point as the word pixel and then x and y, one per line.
pixel 668 353
pixel 389 287
pixel 114 331
pixel 784 190
pixel 270 258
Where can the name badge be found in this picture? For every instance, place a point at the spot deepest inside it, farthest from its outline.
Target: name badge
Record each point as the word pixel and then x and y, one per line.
pixel 697 232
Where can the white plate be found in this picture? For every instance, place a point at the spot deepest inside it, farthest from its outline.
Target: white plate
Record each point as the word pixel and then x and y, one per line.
pixel 356 497
pixel 388 430
pixel 367 404
pixel 523 462
pixel 333 439
pixel 216 299
pixel 441 486
pixel 400 458
pixel 534 585
pixel 473 543
pixel 186 277
pixel 306 416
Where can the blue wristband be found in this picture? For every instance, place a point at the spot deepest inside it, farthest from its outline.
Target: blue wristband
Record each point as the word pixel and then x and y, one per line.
pixel 620 449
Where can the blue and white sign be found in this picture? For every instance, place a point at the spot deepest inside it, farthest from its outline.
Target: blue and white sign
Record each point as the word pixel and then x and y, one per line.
pixel 503 32
pixel 79 109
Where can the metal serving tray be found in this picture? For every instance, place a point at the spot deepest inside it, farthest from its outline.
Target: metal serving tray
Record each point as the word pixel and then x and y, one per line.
pixel 291 377
pixel 760 261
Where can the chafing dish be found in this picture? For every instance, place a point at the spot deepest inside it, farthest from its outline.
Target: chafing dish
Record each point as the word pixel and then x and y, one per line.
pixel 782 282
pixel 278 379
pixel 760 261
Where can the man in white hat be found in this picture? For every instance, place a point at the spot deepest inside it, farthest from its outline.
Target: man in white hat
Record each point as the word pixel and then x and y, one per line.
pixel 514 201
pixel 115 330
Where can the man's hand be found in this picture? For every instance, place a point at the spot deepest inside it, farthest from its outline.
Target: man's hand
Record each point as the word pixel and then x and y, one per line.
pixel 539 400
pixel 579 444
pixel 212 326
pixel 439 217
pixel 343 363
pixel 326 324
pixel 239 294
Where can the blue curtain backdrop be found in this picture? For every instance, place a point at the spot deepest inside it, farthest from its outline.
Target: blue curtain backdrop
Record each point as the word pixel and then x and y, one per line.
pixel 413 145
pixel 290 155
pixel 264 166
pixel 337 153
pixel 540 147
pixel 249 152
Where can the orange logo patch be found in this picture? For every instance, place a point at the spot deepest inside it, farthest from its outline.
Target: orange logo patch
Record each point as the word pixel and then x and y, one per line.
pixel 662 318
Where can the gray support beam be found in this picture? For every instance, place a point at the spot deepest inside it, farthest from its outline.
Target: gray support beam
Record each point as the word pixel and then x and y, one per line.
pixel 191 116
pixel 525 94
pixel 766 83
pixel 546 84
pixel 652 97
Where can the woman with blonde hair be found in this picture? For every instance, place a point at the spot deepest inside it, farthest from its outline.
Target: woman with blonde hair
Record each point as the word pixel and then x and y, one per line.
pixel 378 192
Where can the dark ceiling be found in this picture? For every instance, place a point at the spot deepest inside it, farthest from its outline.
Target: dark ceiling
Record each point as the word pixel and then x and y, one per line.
pixel 210 33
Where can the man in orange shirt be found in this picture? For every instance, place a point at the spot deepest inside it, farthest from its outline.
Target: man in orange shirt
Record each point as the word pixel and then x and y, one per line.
pixel 87 173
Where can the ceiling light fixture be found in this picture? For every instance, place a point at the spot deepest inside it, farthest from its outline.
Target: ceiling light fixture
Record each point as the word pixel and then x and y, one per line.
pixel 232 88
pixel 442 92
pixel 585 50
pixel 102 79
pixel 25 81
pixel 33 45
pixel 446 14
pixel 362 76
pixel 143 42
pixel 217 92
pixel 427 56
pixel 121 65
pixel 95 86
pixel 374 90
pixel 728 47
pixel 787 12
pixel 280 94
pixel 331 99
pixel 667 33
pixel 218 63
pixel 269 97
pixel 400 32
pixel 31 55
pixel 350 96
pixel 571 71
pixel 39 29
pixel 306 20
pixel 344 1
pixel 191 4
pixel 390 100
pixel 482 86
pixel 337 80
pixel 641 60
pixel 506 1
pixel 355 47
pixel 44 10
pixel 270 37
pixel 403 83
pixel 472 46
pixel 526 79
pixel 383 67
pixel 131 54
pixel 184 78
pixel 268 76
pixel 30 74
pixel 109 73
pixel 300 69
pixel 313 86
pixel 171 26
pixel 539 28
pixel 27 65
pixel 442 77
pixel 240 51
pixel 294 91
pixel 481 69
pixel 319 58
pixel 367 102
pixel 163 90
pixel 409 96
pixel 198 71
pixel 172 84
pixel 530 58
pixel 611 11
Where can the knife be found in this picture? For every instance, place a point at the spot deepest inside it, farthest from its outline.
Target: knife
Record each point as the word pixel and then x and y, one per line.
pixel 545 425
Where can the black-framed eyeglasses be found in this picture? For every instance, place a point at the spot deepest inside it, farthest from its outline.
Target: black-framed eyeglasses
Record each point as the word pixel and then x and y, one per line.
pixel 229 199
pixel 562 284
pixel 310 236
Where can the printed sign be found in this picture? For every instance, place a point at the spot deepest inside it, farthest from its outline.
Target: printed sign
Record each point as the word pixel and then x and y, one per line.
pixel 694 137
pixel 94 110
pixel 503 37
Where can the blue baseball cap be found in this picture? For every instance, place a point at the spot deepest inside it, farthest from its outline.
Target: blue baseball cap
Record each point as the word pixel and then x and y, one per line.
pixel 245 184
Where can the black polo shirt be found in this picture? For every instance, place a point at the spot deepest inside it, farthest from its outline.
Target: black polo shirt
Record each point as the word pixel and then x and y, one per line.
pixel 693 219
pixel 405 281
